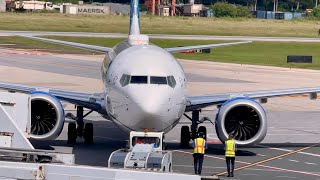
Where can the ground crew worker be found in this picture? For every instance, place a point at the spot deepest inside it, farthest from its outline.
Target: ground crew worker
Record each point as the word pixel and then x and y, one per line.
pixel 199 145
pixel 230 149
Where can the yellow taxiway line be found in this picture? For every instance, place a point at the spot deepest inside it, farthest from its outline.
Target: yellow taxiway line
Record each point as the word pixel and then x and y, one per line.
pixel 269 159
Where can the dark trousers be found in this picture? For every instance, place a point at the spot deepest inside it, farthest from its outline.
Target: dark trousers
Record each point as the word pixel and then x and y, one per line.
pixel 230 160
pixel 198 160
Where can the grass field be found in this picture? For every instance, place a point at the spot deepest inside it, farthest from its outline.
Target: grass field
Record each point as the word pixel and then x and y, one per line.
pixel 259 53
pixel 158 25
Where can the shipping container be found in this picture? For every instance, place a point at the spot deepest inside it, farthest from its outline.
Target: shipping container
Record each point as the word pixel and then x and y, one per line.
pixel 288 15
pixel 298 15
pixel 261 14
pixel 192 9
pixel 270 15
pixel 86 9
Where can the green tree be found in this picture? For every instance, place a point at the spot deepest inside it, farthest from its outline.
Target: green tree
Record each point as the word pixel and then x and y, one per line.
pixel 222 9
pixel 316 11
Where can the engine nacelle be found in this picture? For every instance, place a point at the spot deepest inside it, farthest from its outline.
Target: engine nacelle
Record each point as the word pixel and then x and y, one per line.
pixel 244 118
pixel 47 116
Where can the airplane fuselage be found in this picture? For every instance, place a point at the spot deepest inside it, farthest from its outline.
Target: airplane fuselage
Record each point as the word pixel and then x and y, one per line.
pixel 145 87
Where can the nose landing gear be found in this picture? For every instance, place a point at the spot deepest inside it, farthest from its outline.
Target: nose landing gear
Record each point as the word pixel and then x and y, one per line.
pixel 186 135
pixel 79 129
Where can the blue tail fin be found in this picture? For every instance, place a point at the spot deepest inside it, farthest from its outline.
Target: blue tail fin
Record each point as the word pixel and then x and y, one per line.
pixel 134 18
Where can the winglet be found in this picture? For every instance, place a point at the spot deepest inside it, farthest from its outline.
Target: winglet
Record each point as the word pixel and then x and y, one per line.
pixel 134 18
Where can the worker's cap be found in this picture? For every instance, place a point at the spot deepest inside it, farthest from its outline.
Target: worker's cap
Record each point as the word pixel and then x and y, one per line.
pixel 201 134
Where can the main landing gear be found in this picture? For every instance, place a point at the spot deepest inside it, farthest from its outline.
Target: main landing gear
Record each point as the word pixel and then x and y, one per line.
pixel 186 135
pixel 79 129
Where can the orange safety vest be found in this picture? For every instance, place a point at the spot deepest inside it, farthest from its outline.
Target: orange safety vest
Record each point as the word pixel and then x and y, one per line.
pixel 199 145
pixel 230 148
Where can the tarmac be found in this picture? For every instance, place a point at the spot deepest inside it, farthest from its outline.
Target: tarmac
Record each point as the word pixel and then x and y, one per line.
pixel 290 150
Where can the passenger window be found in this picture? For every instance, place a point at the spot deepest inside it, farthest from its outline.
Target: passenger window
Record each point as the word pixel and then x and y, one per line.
pixel 139 80
pixel 171 81
pixel 158 80
pixel 125 79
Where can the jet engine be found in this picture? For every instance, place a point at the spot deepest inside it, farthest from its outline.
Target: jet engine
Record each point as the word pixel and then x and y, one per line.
pixel 244 118
pixel 47 116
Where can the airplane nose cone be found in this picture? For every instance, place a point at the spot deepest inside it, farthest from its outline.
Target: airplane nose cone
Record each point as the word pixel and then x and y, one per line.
pixel 151 101
pixel 150 108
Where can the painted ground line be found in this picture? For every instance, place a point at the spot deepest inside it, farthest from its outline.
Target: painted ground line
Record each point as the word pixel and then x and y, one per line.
pixel 292 160
pixel 293 134
pixel 286 177
pixel 249 174
pixel 261 155
pixel 210 167
pixel 259 165
pixel 310 163
pixel 273 158
pixel 289 150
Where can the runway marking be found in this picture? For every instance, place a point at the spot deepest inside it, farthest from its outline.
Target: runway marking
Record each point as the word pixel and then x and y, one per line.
pixel 310 163
pixel 261 155
pixel 292 160
pixel 273 158
pixel 259 165
pixel 287 177
pixel 290 134
pixel 249 174
pixel 289 150
pixel 208 167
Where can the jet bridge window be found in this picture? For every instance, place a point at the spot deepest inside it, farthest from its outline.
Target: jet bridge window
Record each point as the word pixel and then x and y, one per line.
pixel 171 81
pixel 158 80
pixel 139 80
pixel 125 79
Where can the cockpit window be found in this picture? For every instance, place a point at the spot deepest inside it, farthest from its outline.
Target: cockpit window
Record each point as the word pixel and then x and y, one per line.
pixel 158 80
pixel 124 80
pixel 171 81
pixel 139 80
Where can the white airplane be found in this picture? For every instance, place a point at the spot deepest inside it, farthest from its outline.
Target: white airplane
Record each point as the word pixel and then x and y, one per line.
pixel 145 90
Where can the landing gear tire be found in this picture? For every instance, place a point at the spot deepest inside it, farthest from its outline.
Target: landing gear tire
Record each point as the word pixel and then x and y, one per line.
pixel 72 133
pixel 184 136
pixel 88 133
pixel 203 129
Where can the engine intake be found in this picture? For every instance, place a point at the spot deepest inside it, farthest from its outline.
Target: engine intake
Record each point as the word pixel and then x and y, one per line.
pixel 244 118
pixel 47 116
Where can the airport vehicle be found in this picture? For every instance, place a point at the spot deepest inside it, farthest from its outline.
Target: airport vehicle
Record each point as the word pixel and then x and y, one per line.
pixel 145 151
pixel 15 115
pixel 145 88
pixel 30 5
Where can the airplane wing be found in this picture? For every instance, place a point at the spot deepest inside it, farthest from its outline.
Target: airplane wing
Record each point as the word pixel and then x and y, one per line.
pixel 73 44
pixel 188 48
pixel 107 49
pixel 199 102
pixel 90 101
